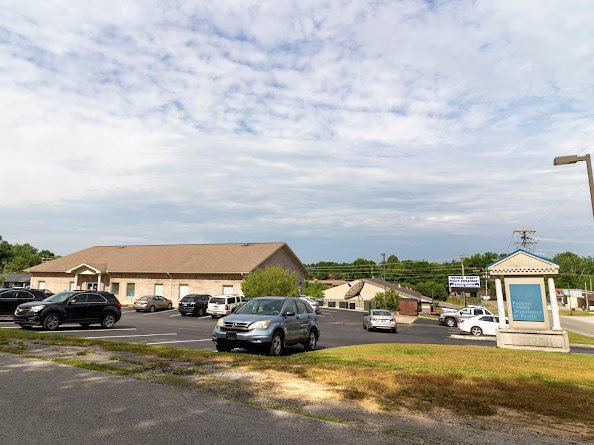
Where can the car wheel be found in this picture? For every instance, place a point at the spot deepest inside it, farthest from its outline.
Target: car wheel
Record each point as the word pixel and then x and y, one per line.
pixel 213 316
pixel 108 321
pixel 183 314
pixel 200 312
pixel 222 348
pixel 152 309
pixel 276 345
pixel 85 325
pixel 394 330
pixel 475 330
pixel 25 327
pixel 311 343
pixel 137 310
pixel 51 322
pixel 450 322
pixel 364 327
pixel 169 307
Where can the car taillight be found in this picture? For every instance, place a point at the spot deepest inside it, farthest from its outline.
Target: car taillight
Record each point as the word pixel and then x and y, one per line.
pixel 461 321
pixel 192 303
pixel 372 319
pixel 226 308
pixel 392 319
pixel 120 306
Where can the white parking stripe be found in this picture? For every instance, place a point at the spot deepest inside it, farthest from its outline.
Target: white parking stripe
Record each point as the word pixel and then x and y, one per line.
pixel 88 330
pixel 129 336
pixel 179 341
pixel 176 315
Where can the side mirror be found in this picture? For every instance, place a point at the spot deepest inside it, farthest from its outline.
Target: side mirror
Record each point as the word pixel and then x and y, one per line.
pixel 70 302
pixel 289 314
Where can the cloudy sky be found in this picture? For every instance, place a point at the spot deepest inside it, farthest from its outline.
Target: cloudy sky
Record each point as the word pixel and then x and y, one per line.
pixel 424 129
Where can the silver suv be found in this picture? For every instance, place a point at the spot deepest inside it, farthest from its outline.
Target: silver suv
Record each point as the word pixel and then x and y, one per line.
pixel 451 319
pixel 269 324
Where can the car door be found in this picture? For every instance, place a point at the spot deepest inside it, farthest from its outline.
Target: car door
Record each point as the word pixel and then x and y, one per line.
pixel 8 302
pixel 292 322
pixel 76 307
pixel 305 316
pixel 95 305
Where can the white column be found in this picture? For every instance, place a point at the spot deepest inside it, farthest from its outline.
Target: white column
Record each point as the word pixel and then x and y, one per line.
pixel 554 306
pixel 75 281
pixel 500 305
pixel 99 282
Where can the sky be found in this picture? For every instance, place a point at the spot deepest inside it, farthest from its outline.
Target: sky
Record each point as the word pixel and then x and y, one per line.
pixel 347 129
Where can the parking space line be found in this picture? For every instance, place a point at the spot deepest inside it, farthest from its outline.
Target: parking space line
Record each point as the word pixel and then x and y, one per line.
pixel 88 330
pixel 179 341
pixel 158 312
pixel 176 315
pixel 10 327
pixel 129 336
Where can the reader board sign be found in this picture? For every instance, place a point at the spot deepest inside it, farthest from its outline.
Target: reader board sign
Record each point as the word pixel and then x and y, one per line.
pixel 468 282
pixel 526 302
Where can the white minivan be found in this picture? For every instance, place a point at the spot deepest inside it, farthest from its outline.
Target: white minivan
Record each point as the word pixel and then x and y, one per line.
pixel 221 305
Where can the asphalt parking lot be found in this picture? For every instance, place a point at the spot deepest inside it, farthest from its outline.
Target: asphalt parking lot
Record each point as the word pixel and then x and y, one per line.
pixel 338 328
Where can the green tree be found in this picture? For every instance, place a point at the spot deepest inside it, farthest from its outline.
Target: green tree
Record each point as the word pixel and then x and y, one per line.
pixel 270 281
pixel 315 290
pixel 391 301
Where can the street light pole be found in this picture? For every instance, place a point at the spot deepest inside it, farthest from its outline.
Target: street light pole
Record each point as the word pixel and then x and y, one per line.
pixel 564 160
pixel 384 261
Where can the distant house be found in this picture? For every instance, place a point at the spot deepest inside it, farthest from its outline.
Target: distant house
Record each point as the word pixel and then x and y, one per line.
pixel 575 298
pixel 16 280
pixel 329 283
pixel 172 271
pixel 336 296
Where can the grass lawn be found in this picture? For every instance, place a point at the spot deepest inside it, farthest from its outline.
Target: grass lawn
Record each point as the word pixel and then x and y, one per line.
pixel 466 379
pixel 576 314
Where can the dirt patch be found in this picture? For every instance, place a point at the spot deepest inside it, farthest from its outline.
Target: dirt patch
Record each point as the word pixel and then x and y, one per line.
pixel 222 377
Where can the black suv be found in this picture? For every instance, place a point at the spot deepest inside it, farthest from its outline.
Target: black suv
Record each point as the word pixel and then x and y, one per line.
pixel 193 304
pixel 11 298
pixel 83 307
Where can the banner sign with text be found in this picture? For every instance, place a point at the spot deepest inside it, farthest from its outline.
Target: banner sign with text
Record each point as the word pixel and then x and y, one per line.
pixel 460 281
pixel 526 302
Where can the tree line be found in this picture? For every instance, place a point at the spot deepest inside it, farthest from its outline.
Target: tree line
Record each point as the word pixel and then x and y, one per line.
pixel 16 258
pixel 431 279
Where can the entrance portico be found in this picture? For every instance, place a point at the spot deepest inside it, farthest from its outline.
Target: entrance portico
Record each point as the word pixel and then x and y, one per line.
pixel 88 277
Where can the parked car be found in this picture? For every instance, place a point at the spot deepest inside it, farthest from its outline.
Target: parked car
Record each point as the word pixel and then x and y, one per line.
pixel 11 298
pixel 379 319
pixel 481 325
pixel 268 324
pixel 314 304
pixel 83 307
pixel 221 305
pixel 150 303
pixel 451 319
pixel 194 304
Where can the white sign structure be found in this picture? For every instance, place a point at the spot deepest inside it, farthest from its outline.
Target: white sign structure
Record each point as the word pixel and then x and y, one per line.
pixel 460 281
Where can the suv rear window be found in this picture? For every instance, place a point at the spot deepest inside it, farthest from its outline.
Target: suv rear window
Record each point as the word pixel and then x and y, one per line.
pixel 220 300
pixel 192 298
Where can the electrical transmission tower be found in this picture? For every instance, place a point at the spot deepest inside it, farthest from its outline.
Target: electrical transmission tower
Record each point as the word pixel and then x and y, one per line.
pixel 526 238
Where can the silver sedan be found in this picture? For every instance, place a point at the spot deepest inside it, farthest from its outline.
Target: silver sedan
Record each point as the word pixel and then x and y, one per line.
pixel 151 302
pixel 379 319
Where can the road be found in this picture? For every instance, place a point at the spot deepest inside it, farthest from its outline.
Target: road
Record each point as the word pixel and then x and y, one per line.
pixel 338 328
pixel 43 401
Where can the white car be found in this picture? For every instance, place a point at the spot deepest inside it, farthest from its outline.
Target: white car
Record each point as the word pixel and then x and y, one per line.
pixel 313 303
pixel 221 305
pixel 480 325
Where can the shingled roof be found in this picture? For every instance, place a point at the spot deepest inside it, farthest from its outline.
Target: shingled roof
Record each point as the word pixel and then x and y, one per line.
pixel 179 258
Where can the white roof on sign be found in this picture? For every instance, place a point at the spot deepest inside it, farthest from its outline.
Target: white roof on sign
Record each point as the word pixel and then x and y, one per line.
pixel 523 263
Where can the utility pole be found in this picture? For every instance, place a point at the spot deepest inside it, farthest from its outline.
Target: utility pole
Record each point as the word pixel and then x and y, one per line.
pixel 384 261
pixel 462 255
pixel 526 238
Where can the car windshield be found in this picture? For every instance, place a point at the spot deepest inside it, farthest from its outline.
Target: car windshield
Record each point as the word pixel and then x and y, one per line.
pixel 261 306
pixel 387 313
pixel 60 298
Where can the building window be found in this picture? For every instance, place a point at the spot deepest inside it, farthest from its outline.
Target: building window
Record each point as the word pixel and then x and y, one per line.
pixel 159 290
pixel 42 285
pixel 130 289
pixel 227 289
pixel 183 290
pixel 71 286
pixel 115 289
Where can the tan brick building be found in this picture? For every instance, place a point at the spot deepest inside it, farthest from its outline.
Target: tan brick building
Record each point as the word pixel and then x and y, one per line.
pixel 168 270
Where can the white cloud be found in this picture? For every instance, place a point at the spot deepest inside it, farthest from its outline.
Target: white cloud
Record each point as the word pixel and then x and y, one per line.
pixel 363 123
